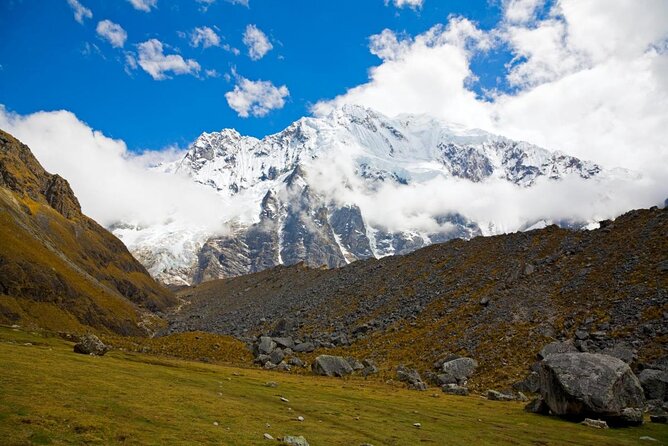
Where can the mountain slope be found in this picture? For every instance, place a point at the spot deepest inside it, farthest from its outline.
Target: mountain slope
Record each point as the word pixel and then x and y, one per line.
pixel 325 191
pixel 498 299
pixel 58 268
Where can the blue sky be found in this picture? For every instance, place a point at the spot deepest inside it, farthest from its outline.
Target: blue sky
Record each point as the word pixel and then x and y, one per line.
pixel 50 61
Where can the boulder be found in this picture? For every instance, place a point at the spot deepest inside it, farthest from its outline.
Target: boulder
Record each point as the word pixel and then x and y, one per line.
pixel 557 347
pixel 591 385
pixel 262 359
pixel 622 352
pixel 457 371
pixel 454 389
pixel 355 363
pixel 290 440
pixel 410 377
pixel 266 345
pixel 284 342
pixel 295 361
pixel 304 347
pixel 327 365
pixel 276 356
pixel 597 424
pixel 370 367
pixel 495 395
pixel 655 384
pixel 90 344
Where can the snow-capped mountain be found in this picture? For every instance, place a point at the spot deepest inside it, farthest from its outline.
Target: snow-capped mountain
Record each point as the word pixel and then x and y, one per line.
pixel 321 191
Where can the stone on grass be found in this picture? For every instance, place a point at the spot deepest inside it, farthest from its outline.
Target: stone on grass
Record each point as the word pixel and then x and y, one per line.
pixel 457 371
pixel 495 395
pixel 90 344
pixel 454 389
pixel 588 384
pixel 327 365
pixel 290 440
pixel 598 424
pixel 268 437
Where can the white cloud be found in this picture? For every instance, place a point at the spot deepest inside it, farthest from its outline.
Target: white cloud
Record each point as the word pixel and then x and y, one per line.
pixel 204 36
pixel 521 11
pixel 80 11
pixel 205 4
pixel 239 2
pixel 256 98
pixel 112 183
pixel 414 4
pixel 156 63
pixel 144 5
pixel 112 32
pixel 589 78
pixel 257 42
pixel 231 49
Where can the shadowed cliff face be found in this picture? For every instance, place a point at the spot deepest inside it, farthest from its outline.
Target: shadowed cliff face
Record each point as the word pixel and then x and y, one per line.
pixel 58 268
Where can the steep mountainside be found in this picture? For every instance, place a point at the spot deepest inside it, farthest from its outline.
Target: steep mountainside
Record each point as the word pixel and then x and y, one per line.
pixel 307 193
pixel 58 268
pixel 498 299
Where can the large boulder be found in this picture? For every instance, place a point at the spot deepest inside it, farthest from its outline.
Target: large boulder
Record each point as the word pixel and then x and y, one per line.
pixel 591 385
pixel 327 365
pixel 91 345
pixel 655 384
pixel 457 371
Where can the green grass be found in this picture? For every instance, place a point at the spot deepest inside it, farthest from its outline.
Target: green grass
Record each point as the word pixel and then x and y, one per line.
pixel 49 395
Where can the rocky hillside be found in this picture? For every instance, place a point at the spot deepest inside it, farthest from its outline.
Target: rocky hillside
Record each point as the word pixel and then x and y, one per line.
pixel 314 192
pixel 58 268
pixel 497 299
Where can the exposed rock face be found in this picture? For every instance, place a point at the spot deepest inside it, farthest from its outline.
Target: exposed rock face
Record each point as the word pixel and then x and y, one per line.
pixel 655 384
pixel 586 384
pixel 327 365
pixel 557 347
pixel 90 345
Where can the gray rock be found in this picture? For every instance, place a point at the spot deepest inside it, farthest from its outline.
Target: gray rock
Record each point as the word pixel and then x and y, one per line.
pixel 327 365
pixel 495 395
pixel 655 384
pixel 354 363
pixel 663 419
pixel 276 356
pixel 295 361
pixel 284 342
pixel 262 359
pixel 557 347
pixel 457 371
pixel 587 384
pixel 90 344
pixel 454 389
pixel 304 347
pixel 622 352
pixel 410 377
pixel 283 367
pixel 597 424
pixel 370 367
pixel 266 345
pixel 290 440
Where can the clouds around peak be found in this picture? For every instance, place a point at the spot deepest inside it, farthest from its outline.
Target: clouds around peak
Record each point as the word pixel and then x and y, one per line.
pixel 144 5
pixel 588 78
pixel 153 60
pixel 112 32
pixel 256 98
pixel 80 11
pixel 257 42
pixel 205 37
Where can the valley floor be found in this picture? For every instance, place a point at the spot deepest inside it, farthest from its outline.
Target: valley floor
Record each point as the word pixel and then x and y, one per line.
pixel 50 395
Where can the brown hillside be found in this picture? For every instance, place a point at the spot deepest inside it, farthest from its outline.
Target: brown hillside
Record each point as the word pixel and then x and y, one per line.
pixel 58 268
pixel 497 299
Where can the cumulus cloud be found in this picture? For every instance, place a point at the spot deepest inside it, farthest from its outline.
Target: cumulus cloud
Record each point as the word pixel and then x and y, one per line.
pixel 257 42
pixel 204 36
pixel 112 32
pixel 112 183
pixel 80 11
pixel 155 62
pixel 414 4
pixel 256 98
pixel 144 5
pixel 588 78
